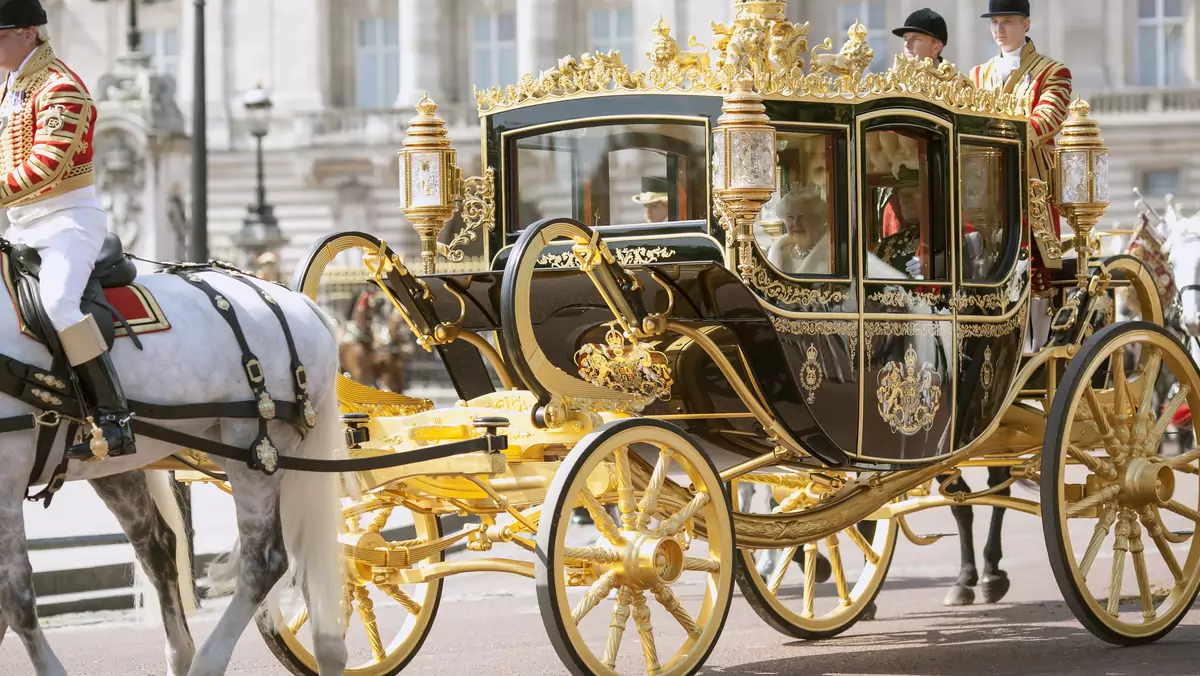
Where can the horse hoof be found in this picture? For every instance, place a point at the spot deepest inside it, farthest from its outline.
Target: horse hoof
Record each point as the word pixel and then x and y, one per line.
pixel 959 595
pixel 824 568
pixel 995 588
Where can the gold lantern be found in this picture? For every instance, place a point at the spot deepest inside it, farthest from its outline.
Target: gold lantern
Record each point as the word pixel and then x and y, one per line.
pixel 1082 178
pixel 429 179
pixel 743 167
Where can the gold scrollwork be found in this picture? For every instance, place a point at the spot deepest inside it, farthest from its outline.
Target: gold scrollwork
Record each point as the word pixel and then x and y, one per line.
pixel 633 255
pixel 987 374
pixel 992 301
pixel 873 330
pixel 478 214
pixel 812 375
pixel 980 330
pixel 630 368
pixel 907 299
pixel 804 327
pixel 764 45
pixel 790 293
pixel 1040 223
pixel 909 398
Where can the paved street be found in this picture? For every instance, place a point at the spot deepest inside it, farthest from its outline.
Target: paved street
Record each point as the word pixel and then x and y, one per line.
pixel 489 624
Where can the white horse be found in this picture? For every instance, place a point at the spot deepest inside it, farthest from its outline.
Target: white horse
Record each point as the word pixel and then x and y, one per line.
pixel 292 515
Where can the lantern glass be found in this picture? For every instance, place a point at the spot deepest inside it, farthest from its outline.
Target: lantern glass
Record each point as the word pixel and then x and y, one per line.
pixel 718 160
pixel 1074 177
pixel 425 174
pixel 1100 174
pixel 258 110
pixel 753 165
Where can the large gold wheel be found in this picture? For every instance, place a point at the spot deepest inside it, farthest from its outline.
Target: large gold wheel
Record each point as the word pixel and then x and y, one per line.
pixel 386 623
pixel 793 595
pixel 1120 520
pixel 645 566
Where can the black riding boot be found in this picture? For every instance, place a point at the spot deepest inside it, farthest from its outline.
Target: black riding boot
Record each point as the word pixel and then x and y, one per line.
pixel 103 397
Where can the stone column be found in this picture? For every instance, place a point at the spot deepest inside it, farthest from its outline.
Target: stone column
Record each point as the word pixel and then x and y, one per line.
pixel 297 71
pixel 424 67
pixel 540 35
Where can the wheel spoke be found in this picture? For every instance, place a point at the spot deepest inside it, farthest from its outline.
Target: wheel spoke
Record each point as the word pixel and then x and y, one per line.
pixel 1168 414
pixel 366 613
pixel 786 563
pixel 604 522
pixel 650 498
pixel 1121 398
pixel 1139 567
pixel 1102 529
pixel 1100 497
pixel 703 565
pixel 1121 547
pixel 625 499
pixel 401 597
pixel 1147 381
pixel 598 555
pixel 810 578
pixel 667 599
pixel 616 628
pixel 599 589
pixel 1158 533
pixel 1097 412
pixel 857 538
pixel 641 619
pixel 1097 466
pixel 1183 510
pixel 672 525
pixel 839 573
pixel 1185 459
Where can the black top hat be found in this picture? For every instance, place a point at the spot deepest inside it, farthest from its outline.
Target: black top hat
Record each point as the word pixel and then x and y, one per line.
pixel 925 21
pixel 1007 8
pixel 21 14
pixel 654 189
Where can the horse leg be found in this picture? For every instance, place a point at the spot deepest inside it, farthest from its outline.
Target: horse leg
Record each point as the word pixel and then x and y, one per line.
pixel 128 496
pixel 261 562
pixel 962 594
pixel 995 582
pixel 18 603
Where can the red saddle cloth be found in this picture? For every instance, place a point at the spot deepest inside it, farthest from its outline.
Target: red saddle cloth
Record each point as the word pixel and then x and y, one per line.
pixel 134 302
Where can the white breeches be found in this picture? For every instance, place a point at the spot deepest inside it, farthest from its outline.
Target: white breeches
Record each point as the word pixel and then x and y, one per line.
pixel 68 241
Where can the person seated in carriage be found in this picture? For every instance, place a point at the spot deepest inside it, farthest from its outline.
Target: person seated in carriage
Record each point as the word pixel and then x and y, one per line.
pixel 654 199
pixel 901 243
pixel 47 120
pixel 804 247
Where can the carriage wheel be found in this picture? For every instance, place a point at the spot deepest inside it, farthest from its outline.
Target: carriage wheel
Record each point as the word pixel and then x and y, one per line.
pixel 375 612
pixel 307 278
pixel 1109 498
pixel 591 580
pixel 795 599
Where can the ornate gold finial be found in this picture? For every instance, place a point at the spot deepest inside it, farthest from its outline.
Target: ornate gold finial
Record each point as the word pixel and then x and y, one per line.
pixel 1080 130
pixel 765 10
pixel 429 178
pixel 1081 175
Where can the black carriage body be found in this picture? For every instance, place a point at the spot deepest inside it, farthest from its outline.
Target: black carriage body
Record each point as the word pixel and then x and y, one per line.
pixel 954 338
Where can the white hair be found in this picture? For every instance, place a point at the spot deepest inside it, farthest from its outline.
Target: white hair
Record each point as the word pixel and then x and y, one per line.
pixel 805 199
pixel 43 33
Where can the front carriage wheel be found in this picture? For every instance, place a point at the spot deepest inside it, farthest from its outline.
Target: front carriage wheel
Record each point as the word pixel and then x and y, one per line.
pixel 790 596
pixel 386 623
pixel 592 580
pixel 1107 495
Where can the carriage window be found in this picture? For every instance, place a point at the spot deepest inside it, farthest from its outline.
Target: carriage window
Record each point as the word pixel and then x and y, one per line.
pixel 798 227
pixel 986 211
pixel 614 174
pixel 906 205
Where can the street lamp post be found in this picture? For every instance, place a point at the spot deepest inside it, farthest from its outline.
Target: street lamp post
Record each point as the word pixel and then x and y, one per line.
pixel 260 229
pixel 199 142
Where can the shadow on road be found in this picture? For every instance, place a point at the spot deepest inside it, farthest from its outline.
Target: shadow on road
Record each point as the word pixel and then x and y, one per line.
pixel 1014 640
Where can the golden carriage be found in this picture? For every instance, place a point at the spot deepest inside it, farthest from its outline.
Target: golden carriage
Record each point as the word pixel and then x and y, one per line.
pixel 624 350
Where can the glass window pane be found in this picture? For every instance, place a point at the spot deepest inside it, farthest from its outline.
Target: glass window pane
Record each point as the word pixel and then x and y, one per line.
pixel 506 26
pixel 483 27
pixel 985 215
pixel 391 79
pixel 366 33
pixel 797 228
pixel 391 31
pixel 170 42
pixel 482 68
pixel 1173 52
pixel 1172 8
pixel 506 65
pixel 883 57
pixel 906 222
pixel 847 14
pixel 1161 183
pixel 1147 9
pixel 368 82
pixel 1147 56
pixel 625 23
pixel 876 15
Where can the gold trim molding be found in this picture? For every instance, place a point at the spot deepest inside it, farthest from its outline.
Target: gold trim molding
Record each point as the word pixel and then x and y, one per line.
pixel 992 301
pixel 993 330
pixel 769 49
pixel 1041 225
pixel 808 327
pixel 874 329
pixel 633 255
pixel 906 299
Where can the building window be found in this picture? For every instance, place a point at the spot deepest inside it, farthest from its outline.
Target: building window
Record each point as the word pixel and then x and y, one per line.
pixel 1160 182
pixel 494 49
pixel 377 63
pixel 162 46
pixel 1161 42
pixel 873 15
pixel 612 29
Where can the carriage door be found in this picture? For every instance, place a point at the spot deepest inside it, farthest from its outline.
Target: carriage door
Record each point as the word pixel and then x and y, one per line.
pixel 906 207
pixel 993 273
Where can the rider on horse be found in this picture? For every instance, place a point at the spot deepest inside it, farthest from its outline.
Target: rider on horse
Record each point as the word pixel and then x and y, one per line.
pixel 47 119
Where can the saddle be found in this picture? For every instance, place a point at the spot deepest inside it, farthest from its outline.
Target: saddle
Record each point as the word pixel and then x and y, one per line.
pixel 112 269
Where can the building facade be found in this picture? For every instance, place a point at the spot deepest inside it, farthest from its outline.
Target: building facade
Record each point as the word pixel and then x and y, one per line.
pixel 344 76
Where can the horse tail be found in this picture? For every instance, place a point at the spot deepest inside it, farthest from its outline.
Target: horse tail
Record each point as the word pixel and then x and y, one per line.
pixel 165 501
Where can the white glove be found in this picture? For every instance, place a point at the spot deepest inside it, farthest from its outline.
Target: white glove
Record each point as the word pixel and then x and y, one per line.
pixel 914 268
